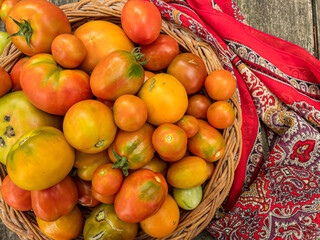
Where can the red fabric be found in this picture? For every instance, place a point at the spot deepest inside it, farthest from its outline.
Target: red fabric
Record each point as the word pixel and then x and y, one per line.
pixel 279 85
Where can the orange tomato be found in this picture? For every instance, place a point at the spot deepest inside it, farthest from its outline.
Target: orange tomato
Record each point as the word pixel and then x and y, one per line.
pixel 89 127
pixel 68 50
pixel 157 165
pixel 210 167
pixel 64 228
pixel 15 73
pixel 5 82
pixel 164 221
pixel 101 38
pixel 188 172
pixel 87 163
pixel 220 114
pixel 107 199
pixel 129 112
pixel 147 75
pixel 165 97
pixel 198 106
pixel 220 85
pixel 170 141
pixel 189 124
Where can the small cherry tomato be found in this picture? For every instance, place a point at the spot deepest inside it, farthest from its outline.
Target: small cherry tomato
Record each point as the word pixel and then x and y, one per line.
pixel 190 70
pixel 15 73
pixel 160 53
pixel 106 180
pixel 210 167
pixel 141 21
pixel 129 112
pixel 220 85
pixel 189 124
pixel 14 196
pixel 170 141
pixel 198 106
pixel 147 75
pixel 220 114
pixel 68 50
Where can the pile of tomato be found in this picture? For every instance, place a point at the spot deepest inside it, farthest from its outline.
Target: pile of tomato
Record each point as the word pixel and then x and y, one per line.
pixel 116 119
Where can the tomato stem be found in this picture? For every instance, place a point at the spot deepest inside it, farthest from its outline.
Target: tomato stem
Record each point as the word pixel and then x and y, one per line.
pixel 25 30
pixel 122 163
pixel 139 55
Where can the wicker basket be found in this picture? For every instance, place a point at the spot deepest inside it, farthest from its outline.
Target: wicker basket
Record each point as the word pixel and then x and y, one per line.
pixel 215 190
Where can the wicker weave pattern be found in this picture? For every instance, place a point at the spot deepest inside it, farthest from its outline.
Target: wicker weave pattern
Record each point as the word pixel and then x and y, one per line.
pixel 215 190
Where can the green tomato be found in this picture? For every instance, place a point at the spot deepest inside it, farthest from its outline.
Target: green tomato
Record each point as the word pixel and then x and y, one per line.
pixel 104 224
pixel 188 199
pixel 4 40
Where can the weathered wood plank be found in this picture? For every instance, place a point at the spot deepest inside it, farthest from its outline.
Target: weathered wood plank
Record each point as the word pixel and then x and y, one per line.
pixel 288 20
pixel 316 11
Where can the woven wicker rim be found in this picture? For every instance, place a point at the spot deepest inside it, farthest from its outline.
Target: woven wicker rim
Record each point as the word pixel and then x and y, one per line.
pixel 215 190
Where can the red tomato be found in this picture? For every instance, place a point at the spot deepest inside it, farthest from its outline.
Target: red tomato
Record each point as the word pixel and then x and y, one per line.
pixel 68 50
pixel 42 22
pixel 220 114
pixel 106 180
pixel 135 146
pixel 141 21
pixel 66 227
pixel 208 143
pixel 190 70
pixel 170 141
pixel 198 106
pixel 89 127
pixel 117 74
pixel 6 6
pixel 107 199
pixel 5 82
pixel 189 124
pixel 85 197
pixel 51 88
pixel 15 196
pixel 142 194
pixel 129 112
pixel 160 52
pixel 15 73
pixel 51 203
pixel 220 85
pixel 100 38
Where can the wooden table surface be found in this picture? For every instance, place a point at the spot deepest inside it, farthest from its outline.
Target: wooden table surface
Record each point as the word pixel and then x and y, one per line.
pixel 297 21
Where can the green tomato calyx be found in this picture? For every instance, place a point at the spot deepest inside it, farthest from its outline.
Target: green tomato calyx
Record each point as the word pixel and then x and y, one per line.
pixel 122 163
pixel 139 56
pixel 25 30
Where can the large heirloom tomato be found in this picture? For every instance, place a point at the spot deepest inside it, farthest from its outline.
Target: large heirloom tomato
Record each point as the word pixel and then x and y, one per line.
pixel 165 97
pixel 89 127
pixel 34 24
pixel 40 159
pixel 100 38
pixel 105 224
pixel 66 227
pixel 51 203
pixel 117 74
pixel 18 116
pixel 208 143
pixel 135 146
pixel 142 194
pixel 51 88
pixel 141 21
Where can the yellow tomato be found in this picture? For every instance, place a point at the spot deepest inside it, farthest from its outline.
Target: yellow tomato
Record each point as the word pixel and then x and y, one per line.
pixel 40 159
pixel 165 97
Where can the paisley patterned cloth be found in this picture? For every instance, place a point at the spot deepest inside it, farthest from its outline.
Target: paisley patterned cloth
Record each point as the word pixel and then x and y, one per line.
pixel 279 87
